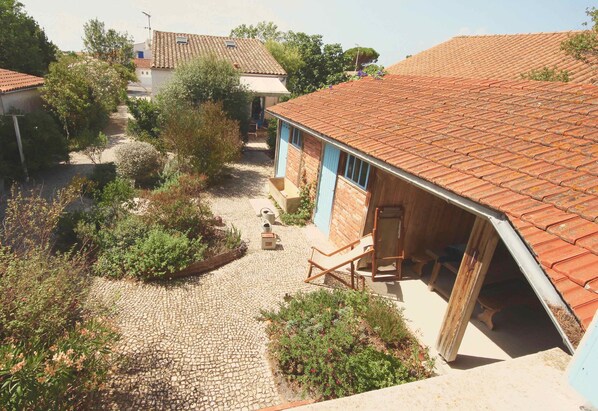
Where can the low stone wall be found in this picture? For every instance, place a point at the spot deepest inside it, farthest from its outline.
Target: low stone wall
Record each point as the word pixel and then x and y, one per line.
pixel 211 263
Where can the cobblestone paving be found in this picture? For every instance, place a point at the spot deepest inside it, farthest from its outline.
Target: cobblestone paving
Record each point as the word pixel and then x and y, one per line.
pixel 196 343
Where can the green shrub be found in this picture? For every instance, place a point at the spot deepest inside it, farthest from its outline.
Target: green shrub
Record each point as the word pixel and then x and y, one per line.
pixel 322 341
pixel 44 144
pixel 102 174
pixel 146 116
pixel 272 133
pixel 161 253
pixel 306 207
pixel 138 161
pixel 232 237
pixel 386 321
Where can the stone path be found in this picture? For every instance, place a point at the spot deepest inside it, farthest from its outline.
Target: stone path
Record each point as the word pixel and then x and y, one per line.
pixel 197 343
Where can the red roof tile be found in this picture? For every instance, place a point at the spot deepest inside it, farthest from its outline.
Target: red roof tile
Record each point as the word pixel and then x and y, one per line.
pixel 12 81
pixel 142 63
pixel 504 56
pixel 486 141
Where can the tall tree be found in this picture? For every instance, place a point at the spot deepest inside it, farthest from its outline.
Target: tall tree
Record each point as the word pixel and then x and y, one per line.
pixel 358 57
pixel 264 31
pixel 24 46
pixel 111 46
pixel 82 92
pixel 584 46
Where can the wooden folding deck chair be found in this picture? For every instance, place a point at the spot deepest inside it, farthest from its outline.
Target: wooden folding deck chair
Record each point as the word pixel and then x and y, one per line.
pixel 374 250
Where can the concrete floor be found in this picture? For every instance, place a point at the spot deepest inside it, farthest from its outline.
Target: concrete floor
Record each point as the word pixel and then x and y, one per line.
pixel 518 331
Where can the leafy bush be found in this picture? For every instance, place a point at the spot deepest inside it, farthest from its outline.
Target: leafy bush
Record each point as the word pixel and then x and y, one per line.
pixel 325 342
pixel 306 207
pixel 162 253
pixel 53 351
pixel 386 321
pixel 44 144
pixel 93 144
pixel 145 125
pixel 272 133
pixel 102 174
pixel 204 138
pixel 137 161
pixel 232 237
pixel 547 74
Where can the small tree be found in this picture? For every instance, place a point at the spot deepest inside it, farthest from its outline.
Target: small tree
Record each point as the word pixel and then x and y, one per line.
pixel 111 46
pixel 358 57
pixel 203 137
pixel 584 46
pixel 82 92
pixel 547 74
pixel 208 79
pixel 264 31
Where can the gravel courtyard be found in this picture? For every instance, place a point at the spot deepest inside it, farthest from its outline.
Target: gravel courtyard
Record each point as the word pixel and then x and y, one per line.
pixel 197 343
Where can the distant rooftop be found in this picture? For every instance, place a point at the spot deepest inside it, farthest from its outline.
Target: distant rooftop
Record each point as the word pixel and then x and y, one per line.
pixel 13 80
pixel 502 56
pixel 249 55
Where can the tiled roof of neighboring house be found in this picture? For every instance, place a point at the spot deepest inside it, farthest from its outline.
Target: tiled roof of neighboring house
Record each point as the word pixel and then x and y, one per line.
pixel 526 148
pixel 142 63
pixel 249 55
pixel 504 56
pixel 13 80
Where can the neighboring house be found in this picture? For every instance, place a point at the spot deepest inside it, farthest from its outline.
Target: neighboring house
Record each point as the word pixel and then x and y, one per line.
pixel 260 72
pixel 503 56
pixel 19 91
pixel 143 71
pixel 143 50
pixel 468 160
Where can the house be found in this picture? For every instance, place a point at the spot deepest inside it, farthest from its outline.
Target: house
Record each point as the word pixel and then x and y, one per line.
pixel 143 71
pixel 504 56
pixel 143 50
pixel 508 167
pixel 19 91
pixel 260 72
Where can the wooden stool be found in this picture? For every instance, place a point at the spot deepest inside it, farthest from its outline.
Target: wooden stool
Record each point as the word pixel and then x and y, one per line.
pixel 419 261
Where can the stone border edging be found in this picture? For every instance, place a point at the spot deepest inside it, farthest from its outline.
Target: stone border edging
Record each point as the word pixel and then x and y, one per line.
pixel 209 264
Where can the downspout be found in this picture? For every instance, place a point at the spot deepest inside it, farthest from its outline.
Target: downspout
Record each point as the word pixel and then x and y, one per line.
pixel 528 265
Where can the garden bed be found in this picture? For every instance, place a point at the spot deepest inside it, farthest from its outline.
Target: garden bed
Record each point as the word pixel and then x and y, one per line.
pixel 333 344
pixel 212 263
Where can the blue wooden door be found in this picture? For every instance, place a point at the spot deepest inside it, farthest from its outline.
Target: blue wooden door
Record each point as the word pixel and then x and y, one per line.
pixel 326 188
pixel 583 369
pixel 283 149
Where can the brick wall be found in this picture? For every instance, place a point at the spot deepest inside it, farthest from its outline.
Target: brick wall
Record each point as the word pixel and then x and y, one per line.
pixel 304 161
pixel 348 212
pixel 312 153
pixel 293 164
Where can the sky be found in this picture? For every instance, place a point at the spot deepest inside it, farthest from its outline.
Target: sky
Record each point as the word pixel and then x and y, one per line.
pixel 395 28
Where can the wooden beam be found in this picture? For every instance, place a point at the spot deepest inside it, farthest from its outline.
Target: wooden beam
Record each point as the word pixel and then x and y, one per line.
pixel 472 271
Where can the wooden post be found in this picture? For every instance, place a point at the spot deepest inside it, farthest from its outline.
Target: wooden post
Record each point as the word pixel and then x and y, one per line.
pixel 20 144
pixel 472 272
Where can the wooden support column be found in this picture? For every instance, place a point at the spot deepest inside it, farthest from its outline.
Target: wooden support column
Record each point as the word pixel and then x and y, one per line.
pixel 472 271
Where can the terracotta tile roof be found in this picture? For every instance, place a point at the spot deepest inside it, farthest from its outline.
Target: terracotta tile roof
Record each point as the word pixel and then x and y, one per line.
pixel 13 80
pixel 525 148
pixel 503 56
pixel 249 55
pixel 142 63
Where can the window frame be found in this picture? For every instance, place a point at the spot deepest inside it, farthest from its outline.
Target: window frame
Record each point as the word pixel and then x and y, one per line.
pixel 296 138
pixel 358 174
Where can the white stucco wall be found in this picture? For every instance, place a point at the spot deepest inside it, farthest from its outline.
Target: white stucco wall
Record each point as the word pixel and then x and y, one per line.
pixel 159 78
pixel 22 100
pixel 144 75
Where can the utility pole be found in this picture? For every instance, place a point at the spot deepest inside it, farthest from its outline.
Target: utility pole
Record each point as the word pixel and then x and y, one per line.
pixel 149 24
pixel 357 57
pixel 20 143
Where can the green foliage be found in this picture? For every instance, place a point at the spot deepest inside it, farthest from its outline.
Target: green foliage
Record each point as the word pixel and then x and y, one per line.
pixel 24 46
pixel 102 174
pixel 584 46
pixel 53 351
pixel 323 341
pixel 272 134
pixel 145 125
pixel 110 46
pixel 93 145
pixel 204 138
pixel 357 58
pixel 232 237
pixel 138 161
pixel 306 207
pixel 44 144
pixel 204 80
pixel 287 55
pixel 386 321
pixel 263 31
pixel 82 92
pixel 324 64
pixel 547 74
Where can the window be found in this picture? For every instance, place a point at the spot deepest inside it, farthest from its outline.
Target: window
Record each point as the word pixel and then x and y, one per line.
pixel 296 138
pixel 230 44
pixel 357 171
pixel 181 40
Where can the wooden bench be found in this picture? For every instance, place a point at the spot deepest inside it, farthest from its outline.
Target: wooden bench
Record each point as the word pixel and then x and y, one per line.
pixel 495 297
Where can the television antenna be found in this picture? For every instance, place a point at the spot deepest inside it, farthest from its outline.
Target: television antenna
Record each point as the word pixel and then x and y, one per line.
pixel 149 24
